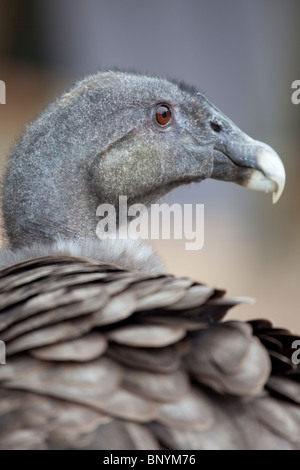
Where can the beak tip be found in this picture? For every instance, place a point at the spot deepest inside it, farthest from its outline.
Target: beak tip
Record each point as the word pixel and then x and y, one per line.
pixel 270 164
pixel 277 194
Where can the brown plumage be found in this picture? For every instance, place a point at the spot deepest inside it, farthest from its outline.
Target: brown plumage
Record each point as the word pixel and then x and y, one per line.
pixel 102 358
pixel 103 349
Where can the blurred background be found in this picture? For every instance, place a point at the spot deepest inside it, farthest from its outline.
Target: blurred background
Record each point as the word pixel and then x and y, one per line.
pixel 243 55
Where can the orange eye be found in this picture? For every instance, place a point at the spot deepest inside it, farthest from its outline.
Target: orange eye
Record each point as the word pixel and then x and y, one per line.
pixel 163 114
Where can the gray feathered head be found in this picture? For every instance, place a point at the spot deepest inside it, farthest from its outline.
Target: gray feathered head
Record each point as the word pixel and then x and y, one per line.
pixel 119 133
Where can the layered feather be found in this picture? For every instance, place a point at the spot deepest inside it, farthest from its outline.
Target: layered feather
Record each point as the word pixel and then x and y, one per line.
pixel 99 357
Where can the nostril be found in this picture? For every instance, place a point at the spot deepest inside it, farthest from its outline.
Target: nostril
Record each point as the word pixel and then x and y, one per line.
pixel 215 126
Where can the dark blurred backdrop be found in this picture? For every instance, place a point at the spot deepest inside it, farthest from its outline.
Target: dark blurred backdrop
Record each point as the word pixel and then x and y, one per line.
pixel 243 54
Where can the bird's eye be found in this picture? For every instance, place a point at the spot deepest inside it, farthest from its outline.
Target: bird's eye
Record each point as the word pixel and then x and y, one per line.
pixel 163 115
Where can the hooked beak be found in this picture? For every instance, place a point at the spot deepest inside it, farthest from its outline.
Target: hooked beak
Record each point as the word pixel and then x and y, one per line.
pixel 245 161
pixel 269 176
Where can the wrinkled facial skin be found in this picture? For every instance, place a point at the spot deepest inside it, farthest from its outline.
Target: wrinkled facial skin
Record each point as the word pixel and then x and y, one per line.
pixel 148 160
pixel 106 138
pixel 199 142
